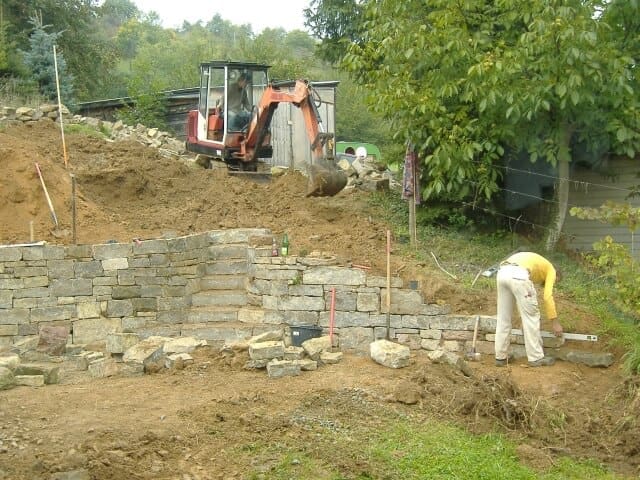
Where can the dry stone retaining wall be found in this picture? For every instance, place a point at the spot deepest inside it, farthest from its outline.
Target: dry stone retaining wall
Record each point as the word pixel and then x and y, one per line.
pixel 221 286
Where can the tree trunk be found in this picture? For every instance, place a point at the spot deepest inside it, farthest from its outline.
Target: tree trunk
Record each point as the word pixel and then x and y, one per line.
pixel 562 187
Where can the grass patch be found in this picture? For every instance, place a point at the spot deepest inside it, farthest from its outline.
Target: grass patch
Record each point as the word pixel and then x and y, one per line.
pixel 87 130
pixel 440 451
pixel 409 451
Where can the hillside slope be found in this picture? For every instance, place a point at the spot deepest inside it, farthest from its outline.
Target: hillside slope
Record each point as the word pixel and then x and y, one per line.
pixel 126 190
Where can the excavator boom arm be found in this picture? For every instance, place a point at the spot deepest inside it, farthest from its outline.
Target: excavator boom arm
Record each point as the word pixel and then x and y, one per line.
pixel 297 92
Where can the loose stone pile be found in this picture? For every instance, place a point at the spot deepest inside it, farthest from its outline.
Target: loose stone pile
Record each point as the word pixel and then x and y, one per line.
pixel 126 354
pixel 269 350
pixel 115 131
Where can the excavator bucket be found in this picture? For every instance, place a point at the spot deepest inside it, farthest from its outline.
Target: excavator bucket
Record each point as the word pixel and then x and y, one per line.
pixel 325 179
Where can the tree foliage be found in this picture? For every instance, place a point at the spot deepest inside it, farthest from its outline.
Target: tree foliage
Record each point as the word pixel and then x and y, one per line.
pixel 337 23
pixel 472 82
pixel 614 258
pixel 41 63
pixel 5 46
pixel 88 56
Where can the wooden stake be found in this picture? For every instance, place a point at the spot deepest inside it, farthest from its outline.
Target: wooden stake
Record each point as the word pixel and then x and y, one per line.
pixel 46 194
pixel 31 233
pixel 64 145
pixel 73 209
pixel 332 315
pixel 412 222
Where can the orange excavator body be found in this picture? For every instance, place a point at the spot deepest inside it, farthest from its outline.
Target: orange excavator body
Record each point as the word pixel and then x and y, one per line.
pixel 209 129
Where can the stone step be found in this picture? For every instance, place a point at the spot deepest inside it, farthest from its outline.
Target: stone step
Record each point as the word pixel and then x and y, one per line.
pixel 224 332
pixel 228 267
pixel 211 314
pixel 224 282
pixel 219 298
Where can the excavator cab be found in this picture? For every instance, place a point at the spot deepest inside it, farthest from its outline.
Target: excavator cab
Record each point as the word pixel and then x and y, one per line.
pixel 228 95
pixel 232 123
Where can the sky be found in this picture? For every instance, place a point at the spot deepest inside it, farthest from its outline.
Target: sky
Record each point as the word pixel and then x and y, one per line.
pixel 260 14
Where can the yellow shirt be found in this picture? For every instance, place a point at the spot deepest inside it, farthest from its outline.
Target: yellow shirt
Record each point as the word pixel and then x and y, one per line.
pixel 541 272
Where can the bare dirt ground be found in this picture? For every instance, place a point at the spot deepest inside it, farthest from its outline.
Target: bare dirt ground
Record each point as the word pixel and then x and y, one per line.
pixel 205 421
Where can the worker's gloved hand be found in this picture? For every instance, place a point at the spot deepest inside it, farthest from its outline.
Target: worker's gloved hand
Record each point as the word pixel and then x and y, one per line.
pixel 557 328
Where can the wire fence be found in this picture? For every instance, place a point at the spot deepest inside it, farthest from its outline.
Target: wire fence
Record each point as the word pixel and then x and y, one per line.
pixel 577 184
pixel 523 217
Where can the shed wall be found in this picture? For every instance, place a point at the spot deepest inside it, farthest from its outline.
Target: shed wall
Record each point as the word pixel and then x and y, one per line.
pixel 592 189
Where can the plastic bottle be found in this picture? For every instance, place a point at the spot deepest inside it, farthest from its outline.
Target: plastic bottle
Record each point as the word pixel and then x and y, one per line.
pixel 274 248
pixel 284 249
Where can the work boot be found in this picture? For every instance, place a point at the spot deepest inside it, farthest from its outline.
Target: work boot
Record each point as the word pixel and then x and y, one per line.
pixel 543 362
pixel 502 362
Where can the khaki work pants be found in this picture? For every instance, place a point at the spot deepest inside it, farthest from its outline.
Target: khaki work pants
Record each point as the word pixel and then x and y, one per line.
pixel 514 286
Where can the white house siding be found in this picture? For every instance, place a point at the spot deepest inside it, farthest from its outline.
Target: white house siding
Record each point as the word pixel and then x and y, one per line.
pixel 593 190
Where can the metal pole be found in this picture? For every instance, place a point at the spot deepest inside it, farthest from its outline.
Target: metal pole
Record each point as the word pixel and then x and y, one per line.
pixel 332 315
pixel 388 283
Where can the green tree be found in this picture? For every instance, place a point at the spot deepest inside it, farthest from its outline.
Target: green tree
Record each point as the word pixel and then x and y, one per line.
pixel 300 44
pixel 271 47
pixel 337 23
pixel 40 61
pixel 145 90
pixel 5 46
pixel 112 14
pixel 89 58
pixel 470 81
pixel 356 122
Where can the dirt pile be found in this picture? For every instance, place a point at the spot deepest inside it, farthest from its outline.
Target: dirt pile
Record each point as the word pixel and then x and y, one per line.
pixel 127 190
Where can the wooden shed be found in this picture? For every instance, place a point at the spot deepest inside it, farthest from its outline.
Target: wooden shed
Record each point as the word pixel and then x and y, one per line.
pixel 614 180
pixel 593 181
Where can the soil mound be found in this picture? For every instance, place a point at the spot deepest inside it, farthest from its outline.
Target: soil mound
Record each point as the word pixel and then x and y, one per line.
pixel 126 190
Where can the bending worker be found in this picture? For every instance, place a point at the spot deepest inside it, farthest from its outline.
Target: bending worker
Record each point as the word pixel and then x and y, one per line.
pixel 516 279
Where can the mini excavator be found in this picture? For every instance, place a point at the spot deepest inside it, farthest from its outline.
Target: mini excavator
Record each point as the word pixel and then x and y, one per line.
pixel 232 123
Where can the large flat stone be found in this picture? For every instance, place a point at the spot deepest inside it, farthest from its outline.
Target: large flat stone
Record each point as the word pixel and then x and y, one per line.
pixel 591 359
pixel 9 361
pixel 182 345
pixel 266 350
pixel 334 276
pixel 53 339
pixel 121 342
pixel 95 329
pixel 148 350
pixel 390 354
pixel 30 380
pixel 50 372
pixel 283 368
pixel 315 346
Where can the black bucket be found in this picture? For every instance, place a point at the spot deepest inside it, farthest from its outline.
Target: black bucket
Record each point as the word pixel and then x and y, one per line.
pixel 302 333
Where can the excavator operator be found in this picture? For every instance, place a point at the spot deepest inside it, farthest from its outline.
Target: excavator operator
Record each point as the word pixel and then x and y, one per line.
pixel 238 104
